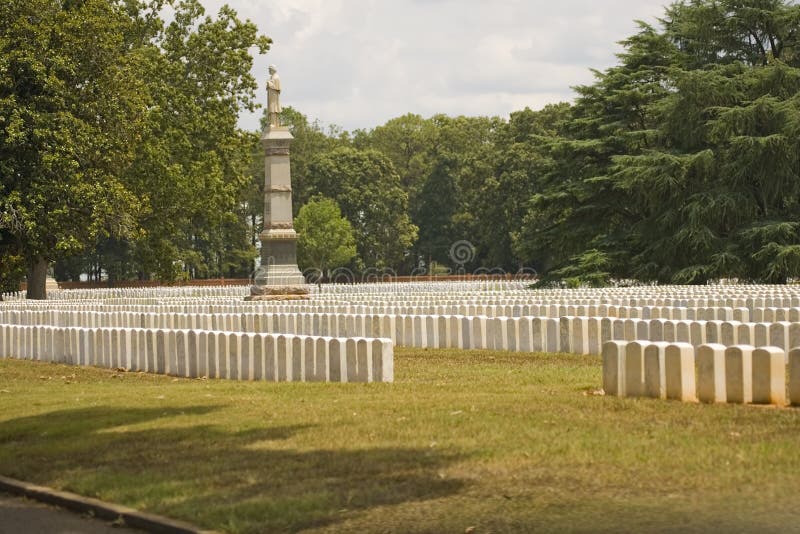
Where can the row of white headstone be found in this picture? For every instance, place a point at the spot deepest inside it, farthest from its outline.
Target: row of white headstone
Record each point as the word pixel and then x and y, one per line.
pixel 526 334
pixel 782 299
pixel 328 289
pixel 580 335
pixel 490 307
pixel 784 296
pixel 506 318
pixel 198 353
pixel 488 310
pixel 446 287
pixel 709 373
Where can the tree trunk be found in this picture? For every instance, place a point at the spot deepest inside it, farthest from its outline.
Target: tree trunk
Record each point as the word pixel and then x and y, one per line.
pixel 37 279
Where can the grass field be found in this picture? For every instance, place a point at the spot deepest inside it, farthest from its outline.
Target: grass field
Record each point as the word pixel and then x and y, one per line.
pixel 496 441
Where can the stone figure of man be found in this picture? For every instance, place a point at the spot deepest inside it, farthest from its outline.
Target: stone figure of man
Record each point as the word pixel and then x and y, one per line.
pixel 273 97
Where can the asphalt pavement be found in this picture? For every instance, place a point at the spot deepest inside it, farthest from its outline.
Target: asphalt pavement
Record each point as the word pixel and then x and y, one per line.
pixel 23 516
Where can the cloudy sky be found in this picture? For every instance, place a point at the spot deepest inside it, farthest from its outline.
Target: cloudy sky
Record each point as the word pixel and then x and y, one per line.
pixel 358 63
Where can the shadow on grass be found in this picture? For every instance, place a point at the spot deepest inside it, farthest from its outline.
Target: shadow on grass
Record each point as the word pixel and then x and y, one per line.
pixel 240 481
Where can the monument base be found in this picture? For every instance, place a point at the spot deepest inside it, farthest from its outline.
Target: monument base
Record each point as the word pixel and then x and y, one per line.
pixel 278 292
pixel 275 298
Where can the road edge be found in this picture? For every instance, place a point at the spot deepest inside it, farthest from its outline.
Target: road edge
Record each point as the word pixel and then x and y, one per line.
pixel 97 508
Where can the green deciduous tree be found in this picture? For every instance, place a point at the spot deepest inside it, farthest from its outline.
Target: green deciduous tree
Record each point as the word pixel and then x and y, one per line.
pixel 444 164
pixel 193 165
pixel 326 238
pixel 12 263
pixel 408 142
pixel 520 166
pixel 72 104
pixel 367 188
pixel 118 137
pixel 451 204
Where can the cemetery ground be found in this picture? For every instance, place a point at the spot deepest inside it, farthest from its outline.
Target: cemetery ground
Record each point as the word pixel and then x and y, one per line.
pixel 498 441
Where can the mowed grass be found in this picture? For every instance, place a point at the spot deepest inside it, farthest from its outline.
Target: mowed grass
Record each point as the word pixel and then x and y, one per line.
pixel 496 441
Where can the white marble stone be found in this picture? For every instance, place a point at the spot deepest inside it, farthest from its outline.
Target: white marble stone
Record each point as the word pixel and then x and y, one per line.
pixel 769 376
pixel 655 381
pixel 739 374
pixel 351 360
pixel 711 373
pixel 634 368
pixel 297 362
pixel 552 335
pixel 337 360
pixel 679 372
pixel 794 376
pixel 614 368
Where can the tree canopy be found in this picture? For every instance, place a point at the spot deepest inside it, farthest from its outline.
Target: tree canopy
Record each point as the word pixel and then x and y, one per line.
pixel 120 155
pixel 72 102
pixel 118 136
pixel 680 164
pixel 326 239
pixel 367 188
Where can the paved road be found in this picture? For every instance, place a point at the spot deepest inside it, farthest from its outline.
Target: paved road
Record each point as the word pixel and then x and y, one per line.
pixel 22 516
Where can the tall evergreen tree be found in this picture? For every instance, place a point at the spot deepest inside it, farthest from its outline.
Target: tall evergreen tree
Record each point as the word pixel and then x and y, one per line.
pixel 679 165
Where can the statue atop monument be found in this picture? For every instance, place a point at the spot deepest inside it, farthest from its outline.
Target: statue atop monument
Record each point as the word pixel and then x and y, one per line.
pixel 273 97
pixel 278 277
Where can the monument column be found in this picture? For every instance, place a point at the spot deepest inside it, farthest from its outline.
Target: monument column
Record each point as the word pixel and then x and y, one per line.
pixel 279 240
pixel 278 277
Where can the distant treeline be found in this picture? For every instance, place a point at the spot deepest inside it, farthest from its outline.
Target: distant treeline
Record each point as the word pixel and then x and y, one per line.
pixel 680 164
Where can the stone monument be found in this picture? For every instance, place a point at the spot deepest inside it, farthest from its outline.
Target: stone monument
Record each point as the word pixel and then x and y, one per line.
pixel 278 278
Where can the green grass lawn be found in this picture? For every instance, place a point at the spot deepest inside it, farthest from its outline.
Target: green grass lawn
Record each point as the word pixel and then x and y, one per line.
pixel 496 441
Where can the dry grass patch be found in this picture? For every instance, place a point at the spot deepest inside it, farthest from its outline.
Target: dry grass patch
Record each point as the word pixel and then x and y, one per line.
pixel 497 441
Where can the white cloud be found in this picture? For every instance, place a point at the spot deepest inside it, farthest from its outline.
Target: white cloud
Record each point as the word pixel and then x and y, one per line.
pixel 358 63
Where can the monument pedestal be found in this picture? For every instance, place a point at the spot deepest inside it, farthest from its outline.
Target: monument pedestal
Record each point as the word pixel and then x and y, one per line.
pixel 278 278
pixel 275 298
